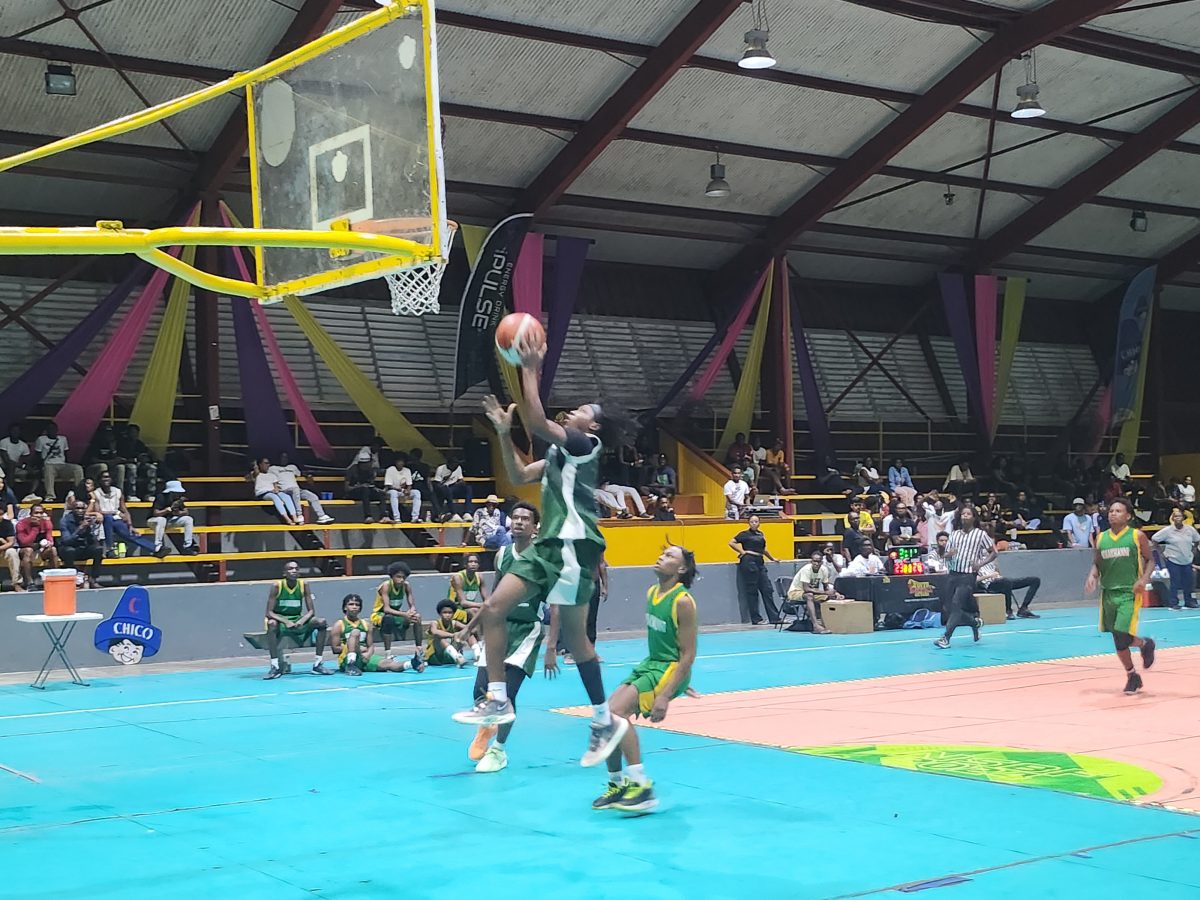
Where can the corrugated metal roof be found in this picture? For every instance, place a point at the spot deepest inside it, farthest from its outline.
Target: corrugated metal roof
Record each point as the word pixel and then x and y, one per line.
pixel 640 21
pixel 868 271
pixel 68 197
pixel 494 153
pixel 1102 230
pixel 1166 177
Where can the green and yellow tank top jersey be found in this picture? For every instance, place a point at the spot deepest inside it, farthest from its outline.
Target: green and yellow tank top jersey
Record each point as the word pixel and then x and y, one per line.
pixel 348 628
pixel 1120 560
pixel 470 586
pixel 290 600
pixel 396 598
pixel 662 622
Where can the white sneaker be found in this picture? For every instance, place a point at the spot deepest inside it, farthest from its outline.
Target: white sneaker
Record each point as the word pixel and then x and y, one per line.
pixel 325 520
pixel 493 761
pixel 457 518
pixel 133 499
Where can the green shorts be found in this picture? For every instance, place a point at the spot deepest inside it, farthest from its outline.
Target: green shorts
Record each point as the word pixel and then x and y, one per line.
pixel 521 647
pixel 436 657
pixel 367 665
pixel 564 572
pixel 648 678
pixel 393 626
pixel 1119 611
pixel 302 635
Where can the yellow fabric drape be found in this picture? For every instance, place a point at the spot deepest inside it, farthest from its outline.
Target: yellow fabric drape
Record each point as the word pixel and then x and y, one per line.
pixel 741 414
pixel 154 408
pixel 1127 441
pixel 392 426
pixel 1010 334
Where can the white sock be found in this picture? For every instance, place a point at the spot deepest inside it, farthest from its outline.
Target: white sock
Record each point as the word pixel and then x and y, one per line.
pixel 600 713
pixel 636 774
pixel 351 657
pixel 498 745
pixel 406 665
pixel 318 658
pixel 275 664
pixel 454 654
pixel 499 691
pixel 616 777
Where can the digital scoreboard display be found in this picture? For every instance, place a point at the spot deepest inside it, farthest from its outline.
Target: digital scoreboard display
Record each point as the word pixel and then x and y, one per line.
pixel 905 561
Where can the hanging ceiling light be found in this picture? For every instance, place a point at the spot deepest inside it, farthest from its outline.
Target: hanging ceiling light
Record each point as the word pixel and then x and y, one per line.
pixel 1138 221
pixel 717 185
pixel 60 80
pixel 1028 106
pixel 756 55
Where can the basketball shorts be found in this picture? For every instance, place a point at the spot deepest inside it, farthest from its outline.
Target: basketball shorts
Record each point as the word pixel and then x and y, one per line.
pixel 301 635
pixel 367 665
pixel 521 647
pixel 648 679
pixel 394 626
pixel 564 572
pixel 1119 611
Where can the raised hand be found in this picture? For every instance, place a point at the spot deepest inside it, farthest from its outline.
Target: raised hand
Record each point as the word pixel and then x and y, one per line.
pixel 499 415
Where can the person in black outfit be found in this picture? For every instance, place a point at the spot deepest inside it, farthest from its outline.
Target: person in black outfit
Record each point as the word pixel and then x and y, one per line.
pixel 969 550
pixel 78 541
pixel 752 580
pixel 360 485
pixel 599 595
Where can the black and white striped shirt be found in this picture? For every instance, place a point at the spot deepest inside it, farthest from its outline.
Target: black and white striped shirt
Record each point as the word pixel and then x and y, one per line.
pixel 968 548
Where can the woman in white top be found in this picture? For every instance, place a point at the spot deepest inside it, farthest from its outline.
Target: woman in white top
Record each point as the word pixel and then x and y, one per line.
pixel 288 476
pixel 267 487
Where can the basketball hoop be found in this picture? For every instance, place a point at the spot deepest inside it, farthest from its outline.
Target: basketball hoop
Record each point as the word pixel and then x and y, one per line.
pixel 415 290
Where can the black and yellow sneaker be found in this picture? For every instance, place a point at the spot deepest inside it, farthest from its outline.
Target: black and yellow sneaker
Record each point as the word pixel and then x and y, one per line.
pixel 637 798
pixel 611 795
pixel 1133 683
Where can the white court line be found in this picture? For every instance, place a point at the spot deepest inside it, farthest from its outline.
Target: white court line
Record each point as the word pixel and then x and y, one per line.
pixel 367 687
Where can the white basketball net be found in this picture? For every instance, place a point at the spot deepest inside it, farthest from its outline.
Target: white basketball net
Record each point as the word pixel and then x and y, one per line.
pixel 415 291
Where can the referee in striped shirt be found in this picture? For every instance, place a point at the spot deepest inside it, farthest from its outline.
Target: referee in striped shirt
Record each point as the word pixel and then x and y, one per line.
pixel 970 548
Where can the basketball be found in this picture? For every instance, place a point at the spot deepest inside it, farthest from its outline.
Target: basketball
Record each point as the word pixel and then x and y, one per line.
pixel 515 332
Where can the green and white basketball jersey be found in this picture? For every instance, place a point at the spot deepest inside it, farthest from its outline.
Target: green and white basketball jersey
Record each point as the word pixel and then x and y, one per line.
pixel 569 510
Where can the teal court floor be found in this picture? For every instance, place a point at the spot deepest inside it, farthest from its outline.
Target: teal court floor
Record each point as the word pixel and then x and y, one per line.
pixel 217 784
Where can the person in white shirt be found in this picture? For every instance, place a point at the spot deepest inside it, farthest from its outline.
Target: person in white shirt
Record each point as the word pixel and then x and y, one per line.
pixel 867 562
pixel 834 560
pixel 1080 527
pixel 737 494
pixel 287 476
pixel 1186 491
pixel 267 487
pixel 940 519
pixel 959 478
pixel 452 489
pixel 812 584
pixel 935 559
pixel 14 457
pixel 52 447
pixel 398 488
pixel 108 503
pixel 1120 470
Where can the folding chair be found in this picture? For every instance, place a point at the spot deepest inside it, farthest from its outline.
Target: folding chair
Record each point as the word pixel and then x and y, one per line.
pixel 794 608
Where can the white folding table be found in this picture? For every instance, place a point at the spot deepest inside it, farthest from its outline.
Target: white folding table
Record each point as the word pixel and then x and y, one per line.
pixel 58 642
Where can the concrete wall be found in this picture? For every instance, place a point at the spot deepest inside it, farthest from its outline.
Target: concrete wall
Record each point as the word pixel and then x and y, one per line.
pixel 207 621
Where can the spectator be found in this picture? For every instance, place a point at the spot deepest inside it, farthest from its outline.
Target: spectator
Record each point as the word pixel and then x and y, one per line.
pixel 1185 492
pixel 1027 513
pixel 398 488
pixel 370 453
pixel 960 479
pixel 267 487
pixel 1178 542
pixel 752 581
pixel 108 505
pixel 831 481
pixel 421 475
pixel 1078 526
pixel 1002 477
pixel 941 519
pixel 289 477
pixel 11 552
pixel 1161 503
pixel 900 482
pixel 991 580
pixel 1100 516
pixel 812 584
pixel 740 452
pixel 660 508
pixel 776 473
pixel 168 509
pixel 81 536
pixel 852 536
pixel 935 559
pixel 82 492
pixel 870 472
pixel 102 455
pixel 620 492
pixel 902 530
pixel 489 525
pixel 991 506
pixel 35 538
pixel 360 486
pixel 16 459
pixel 52 447
pixel 866 562
pixel 1119 470
pixel 141 466
pixel 452 490
pixel 8 501
pixel 608 505
pixel 833 559
pixel 665 482
pixel 737 494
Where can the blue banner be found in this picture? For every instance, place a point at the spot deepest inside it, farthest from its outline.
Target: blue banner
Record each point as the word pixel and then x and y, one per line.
pixel 1132 329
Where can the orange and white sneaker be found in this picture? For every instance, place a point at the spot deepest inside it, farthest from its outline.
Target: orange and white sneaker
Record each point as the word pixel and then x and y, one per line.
pixel 479 746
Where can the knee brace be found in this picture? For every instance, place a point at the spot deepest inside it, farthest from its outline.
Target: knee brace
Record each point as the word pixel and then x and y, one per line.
pixel 1122 641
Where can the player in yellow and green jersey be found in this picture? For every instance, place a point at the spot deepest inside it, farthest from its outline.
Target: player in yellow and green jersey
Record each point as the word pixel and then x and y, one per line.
pixel 671 627
pixel 1122 567
pixel 395 614
pixel 351 639
pixel 561 563
pixel 290 613
pixel 466 588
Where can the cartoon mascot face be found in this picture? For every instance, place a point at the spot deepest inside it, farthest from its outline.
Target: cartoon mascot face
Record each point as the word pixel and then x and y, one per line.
pixel 129 635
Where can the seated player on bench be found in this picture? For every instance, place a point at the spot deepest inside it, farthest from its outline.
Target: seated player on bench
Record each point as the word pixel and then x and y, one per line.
pixel 290 614
pixel 351 639
pixel 395 613
pixel 448 636
pixel 812 584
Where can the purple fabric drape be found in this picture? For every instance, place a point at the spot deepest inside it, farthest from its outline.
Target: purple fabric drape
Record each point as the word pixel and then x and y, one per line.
pixel 986 287
pixel 958 317
pixel 21 397
pixel 569 256
pixel 267 432
pixel 814 406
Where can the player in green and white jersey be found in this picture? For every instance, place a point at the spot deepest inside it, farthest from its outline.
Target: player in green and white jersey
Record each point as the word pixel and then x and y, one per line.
pixel 525 633
pixel 1122 567
pixel 671 629
pixel 351 640
pixel 561 563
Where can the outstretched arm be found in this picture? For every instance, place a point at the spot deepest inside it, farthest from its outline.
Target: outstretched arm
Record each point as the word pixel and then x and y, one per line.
pixel 518 472
pixel 533 414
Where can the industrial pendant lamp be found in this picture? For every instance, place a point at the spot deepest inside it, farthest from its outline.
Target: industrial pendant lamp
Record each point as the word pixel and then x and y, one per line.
pixel 1028 106
pixel 756 55
pixel 717 185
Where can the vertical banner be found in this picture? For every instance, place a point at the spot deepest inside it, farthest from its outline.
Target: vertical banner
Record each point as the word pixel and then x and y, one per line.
pixel 570 253
pixel 741 413
pixel 484 300
pixel 1133 338
pixel 700 388
pixel 1010 336
pixel 986 287
pixel 814 405
pixel 958 317
pixel 267 432
pixel 786 425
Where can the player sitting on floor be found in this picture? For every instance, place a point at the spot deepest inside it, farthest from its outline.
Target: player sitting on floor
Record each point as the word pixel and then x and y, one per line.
pixel 525 633
pixel 466 589
pixel 290 613
pixel 448 636
pixel 395 613
pixel 671 623
pixel 351 639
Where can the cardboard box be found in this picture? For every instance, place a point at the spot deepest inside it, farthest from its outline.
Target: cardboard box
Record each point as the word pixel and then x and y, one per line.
pixel 848 616
pixel 991 608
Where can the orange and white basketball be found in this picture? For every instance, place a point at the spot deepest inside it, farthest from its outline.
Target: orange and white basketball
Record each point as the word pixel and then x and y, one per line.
pixel 517 332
